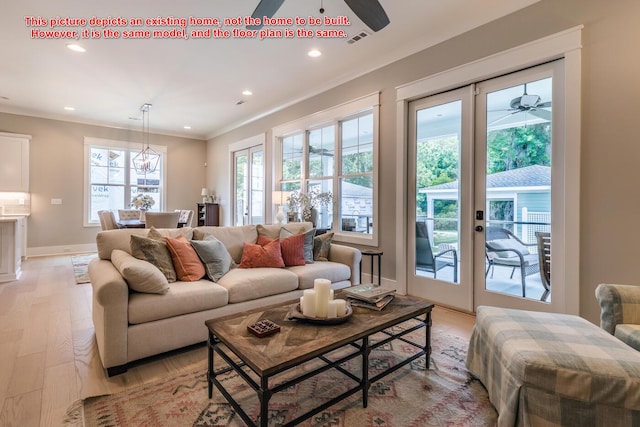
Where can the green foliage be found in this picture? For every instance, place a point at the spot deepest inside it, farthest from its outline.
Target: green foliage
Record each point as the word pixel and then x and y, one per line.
pixel 518 147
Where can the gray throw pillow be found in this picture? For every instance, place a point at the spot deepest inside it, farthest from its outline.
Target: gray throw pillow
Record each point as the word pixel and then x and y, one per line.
pixel 214 255
pixel 308 242
pixel 322 246
pixel 141 276
pixel 155 252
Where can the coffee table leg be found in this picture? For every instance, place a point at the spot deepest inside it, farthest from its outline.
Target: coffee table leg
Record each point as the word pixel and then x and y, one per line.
pixel 264 394
pixel 211 372
pixel 427 348
pixel 365 371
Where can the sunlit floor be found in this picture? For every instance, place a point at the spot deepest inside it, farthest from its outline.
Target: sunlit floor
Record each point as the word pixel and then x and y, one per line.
pixel 498 280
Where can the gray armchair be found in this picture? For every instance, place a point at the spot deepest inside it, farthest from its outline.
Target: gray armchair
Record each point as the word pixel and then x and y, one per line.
pixel 426 260
pixel 505 249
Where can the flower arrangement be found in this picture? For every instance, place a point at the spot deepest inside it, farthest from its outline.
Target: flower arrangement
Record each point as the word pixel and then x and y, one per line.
pixel 306 202
pixel 143 201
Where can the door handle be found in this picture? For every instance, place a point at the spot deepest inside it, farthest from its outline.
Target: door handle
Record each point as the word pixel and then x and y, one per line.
pixel 479 228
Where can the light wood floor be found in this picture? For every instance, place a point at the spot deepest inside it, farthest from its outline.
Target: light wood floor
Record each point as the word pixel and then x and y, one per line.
pixel 48 354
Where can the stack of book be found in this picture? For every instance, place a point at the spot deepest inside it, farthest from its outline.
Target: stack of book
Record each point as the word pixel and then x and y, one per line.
pixel 369 296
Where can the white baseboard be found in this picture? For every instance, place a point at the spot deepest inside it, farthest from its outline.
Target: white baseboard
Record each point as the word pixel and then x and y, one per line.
pixel 61 250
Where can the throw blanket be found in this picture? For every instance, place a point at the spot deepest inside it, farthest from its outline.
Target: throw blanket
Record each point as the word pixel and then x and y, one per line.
pixel 554 370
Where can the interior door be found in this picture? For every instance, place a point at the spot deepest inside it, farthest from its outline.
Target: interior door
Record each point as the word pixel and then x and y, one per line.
pixel 516 145
pixel 440 163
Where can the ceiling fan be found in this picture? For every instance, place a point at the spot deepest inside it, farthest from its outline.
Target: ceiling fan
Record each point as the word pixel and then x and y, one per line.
pixel 527 104
pixel 369 11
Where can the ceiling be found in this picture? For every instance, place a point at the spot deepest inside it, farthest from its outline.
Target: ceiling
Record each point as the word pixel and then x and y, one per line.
pixel 199 82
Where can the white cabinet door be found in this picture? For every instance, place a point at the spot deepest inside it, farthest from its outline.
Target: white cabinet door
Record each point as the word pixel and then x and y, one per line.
pixel 14 162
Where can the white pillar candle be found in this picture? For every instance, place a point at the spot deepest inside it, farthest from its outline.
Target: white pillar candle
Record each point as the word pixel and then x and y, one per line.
pixel 332 311
pixel 309 298
pixel 322 288
pixel 341 307
pixel 330 294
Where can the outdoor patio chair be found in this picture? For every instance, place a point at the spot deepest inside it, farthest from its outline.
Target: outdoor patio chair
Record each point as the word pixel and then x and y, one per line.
pixel 543 240
pixel 425 258
pixel 503 248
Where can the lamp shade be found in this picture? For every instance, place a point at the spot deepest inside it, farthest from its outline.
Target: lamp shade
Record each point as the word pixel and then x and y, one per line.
pixel 278 197
pixel 204 192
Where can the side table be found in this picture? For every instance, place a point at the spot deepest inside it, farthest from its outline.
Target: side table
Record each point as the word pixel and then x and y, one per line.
pixel 373 253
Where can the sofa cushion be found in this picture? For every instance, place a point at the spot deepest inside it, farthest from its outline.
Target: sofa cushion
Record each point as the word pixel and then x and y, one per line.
pixel 217 260
pixel 333 271
pixel 182 298
pixel 267 255
pixel 174 233
pixel 509 244
pixel 272 231
pixel 233 238
pixel 308 242
pixel 141 276
pixel 186 262
pixel 322 246
pixel 249 284
pixel 155 252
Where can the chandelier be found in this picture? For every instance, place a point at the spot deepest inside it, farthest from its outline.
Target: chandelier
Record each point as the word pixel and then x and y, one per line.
pixel 147 160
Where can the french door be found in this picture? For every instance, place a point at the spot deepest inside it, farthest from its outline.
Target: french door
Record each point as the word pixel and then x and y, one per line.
pixel 249 205
pixel 482 167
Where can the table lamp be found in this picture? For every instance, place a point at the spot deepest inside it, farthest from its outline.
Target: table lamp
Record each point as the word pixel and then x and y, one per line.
pixel 277 199
pixel 205 195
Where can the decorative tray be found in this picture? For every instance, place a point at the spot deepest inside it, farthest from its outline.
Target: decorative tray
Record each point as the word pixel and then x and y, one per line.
pixel 296 314
pixel 263 328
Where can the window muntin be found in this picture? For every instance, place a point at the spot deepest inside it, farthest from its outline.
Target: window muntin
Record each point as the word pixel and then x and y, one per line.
pixel 111 180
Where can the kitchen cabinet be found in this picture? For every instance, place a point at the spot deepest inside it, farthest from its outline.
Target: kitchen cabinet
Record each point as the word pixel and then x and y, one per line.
pixel 11 247
pixel 14 162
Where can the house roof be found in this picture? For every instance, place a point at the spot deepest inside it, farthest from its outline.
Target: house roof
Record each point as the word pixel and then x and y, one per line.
pixel 528 176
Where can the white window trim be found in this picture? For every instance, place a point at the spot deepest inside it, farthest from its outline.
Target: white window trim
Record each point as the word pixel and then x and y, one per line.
pixel 109 143
pixel 566 44
pixel 326 117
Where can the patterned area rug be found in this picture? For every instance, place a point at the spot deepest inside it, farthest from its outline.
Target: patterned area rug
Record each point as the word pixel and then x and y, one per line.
pixel 80 267
pixel 446 395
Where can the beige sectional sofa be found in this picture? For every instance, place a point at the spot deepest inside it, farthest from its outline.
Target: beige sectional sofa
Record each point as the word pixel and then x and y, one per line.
pixel 132 325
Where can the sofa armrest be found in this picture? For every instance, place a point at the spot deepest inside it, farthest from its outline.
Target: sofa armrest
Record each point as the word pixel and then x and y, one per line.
pixel 110 312
pixel 348 256
pixel 619 304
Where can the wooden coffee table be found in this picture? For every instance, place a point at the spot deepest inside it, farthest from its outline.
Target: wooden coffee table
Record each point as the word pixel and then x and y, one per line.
pixel 300 342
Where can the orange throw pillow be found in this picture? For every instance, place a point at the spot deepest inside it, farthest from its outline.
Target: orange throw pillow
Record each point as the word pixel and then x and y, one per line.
pixel 255 255
pixel 292 249
pixel 186 262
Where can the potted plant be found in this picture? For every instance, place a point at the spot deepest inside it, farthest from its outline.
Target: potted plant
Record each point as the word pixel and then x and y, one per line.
pixel 142 202
pixel 308 203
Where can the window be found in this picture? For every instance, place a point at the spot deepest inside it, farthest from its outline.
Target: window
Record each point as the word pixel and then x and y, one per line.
pixel 335 151
pixel 111 180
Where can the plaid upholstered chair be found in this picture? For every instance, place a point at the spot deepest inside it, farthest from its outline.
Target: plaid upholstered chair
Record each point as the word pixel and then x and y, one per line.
pixel 620 312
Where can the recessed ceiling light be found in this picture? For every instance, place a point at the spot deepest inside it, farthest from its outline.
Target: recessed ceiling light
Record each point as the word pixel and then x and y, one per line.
pixel 187 127
pixel 247 92
pixel 76 47
pixel 314 53
pixel 69 108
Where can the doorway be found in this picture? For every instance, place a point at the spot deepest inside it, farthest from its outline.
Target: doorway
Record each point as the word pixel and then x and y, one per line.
pixel 480 189
pixel 248 173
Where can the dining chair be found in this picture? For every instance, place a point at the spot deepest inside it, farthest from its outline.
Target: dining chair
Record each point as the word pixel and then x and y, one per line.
pixel 162 219
pixel 185 218
pixel 107 220
pixel 128 214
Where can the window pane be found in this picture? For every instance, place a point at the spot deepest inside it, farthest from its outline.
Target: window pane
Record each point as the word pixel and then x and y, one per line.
pixel 292 157
pixel 104 197
pixel 356 207
pixel 357 145
pixel 257 185
pixel 321 152
pixel 324 218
